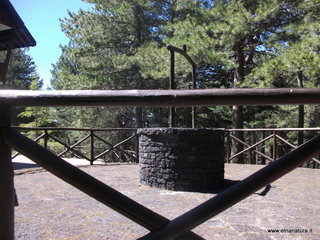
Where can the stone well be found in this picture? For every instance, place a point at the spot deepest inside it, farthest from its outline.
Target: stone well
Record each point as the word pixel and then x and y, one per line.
pixel 182 159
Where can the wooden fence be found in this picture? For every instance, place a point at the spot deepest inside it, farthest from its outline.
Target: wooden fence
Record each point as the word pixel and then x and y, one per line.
pixel 261 146
pixel 93 143
pixel 159 226
pixel 265 145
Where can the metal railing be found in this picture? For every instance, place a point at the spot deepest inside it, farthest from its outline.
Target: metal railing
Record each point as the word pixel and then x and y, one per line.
pixel 159 226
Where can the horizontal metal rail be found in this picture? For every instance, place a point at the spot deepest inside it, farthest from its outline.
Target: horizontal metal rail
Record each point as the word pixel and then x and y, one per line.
pixel 237 192
pixel 86 183
pixel 195 97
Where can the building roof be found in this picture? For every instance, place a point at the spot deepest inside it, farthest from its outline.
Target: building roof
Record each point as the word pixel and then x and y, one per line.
pixel 12 28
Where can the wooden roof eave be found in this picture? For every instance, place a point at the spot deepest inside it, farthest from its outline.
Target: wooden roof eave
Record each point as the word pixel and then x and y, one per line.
pixel 18 36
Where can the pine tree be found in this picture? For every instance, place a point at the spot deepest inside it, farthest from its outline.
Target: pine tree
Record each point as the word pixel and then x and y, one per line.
pixel 37 116
pixel 236 35
pixel 103 45
pixel 21 70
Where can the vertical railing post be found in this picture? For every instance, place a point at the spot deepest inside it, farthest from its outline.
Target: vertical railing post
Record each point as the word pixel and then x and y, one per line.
pixel 137 147
pixel 46 136
pixel 7 194
pixel 254 136
pixel 274 153
pixel 228 147
pixel 263 150
pixel 91 147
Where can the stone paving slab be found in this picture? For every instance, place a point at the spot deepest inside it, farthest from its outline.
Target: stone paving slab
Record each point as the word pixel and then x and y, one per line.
pixel 51 209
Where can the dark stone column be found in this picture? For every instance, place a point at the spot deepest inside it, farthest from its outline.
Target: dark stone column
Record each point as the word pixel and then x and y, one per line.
pixel 182 159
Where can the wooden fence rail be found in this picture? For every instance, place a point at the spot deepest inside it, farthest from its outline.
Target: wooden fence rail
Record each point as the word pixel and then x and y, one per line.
pixel 89 142
pixel 159 226
pixel 87 147
pixel 272 140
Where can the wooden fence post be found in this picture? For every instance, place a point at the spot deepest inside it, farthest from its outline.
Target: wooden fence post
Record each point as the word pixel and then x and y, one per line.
pixel 7 193
pixel 137 147
pixel 91 147
pixel 46 137
pixel 274 151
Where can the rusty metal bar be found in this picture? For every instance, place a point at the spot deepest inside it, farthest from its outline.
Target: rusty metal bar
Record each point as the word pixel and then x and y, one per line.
pixel 237 192
pixel 196 97
pixel 183 52
pixel 86 183
pixel 7 193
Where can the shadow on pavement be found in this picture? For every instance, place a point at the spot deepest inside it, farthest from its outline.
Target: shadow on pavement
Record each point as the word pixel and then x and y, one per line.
pixel 17 165
pixel 228 183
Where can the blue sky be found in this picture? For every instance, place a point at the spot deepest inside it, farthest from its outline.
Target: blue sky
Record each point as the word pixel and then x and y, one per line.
pixel 41 17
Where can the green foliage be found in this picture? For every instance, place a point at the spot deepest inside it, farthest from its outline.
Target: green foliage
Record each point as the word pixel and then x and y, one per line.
pixel 37 116
pixel 21 70
pixel 122 45
pixel 300 53
pixel 21 74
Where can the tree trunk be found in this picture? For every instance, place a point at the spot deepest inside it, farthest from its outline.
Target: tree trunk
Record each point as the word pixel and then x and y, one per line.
pixel 237 118
pixel 138 14
pixel 139 117
pixel 301 110
pixel 237 111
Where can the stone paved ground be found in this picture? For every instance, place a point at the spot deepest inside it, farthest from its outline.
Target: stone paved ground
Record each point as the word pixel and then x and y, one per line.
pixel 51 209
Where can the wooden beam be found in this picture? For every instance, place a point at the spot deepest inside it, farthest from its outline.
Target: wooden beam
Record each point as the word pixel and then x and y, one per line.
pixel 196 97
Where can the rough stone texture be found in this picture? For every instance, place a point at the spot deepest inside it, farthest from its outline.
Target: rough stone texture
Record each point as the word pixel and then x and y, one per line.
pixel 51 209
pixel 182 159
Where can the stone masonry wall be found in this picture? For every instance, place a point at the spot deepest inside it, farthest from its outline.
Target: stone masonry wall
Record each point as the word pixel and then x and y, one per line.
pixel 182 159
